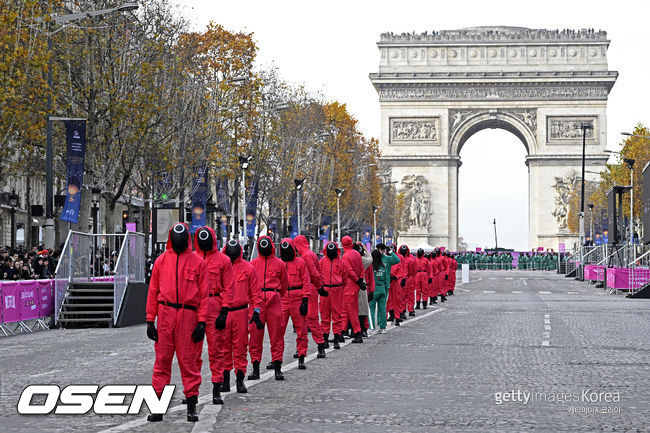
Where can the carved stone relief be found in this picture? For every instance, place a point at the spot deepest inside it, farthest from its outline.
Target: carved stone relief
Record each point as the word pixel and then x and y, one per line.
pixel 493 92
pixel 417 198
pixel 415 130
pixel 561 130
pixel 563 187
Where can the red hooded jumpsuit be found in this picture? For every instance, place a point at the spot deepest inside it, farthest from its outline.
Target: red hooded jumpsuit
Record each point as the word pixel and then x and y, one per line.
pixel 452 274
pixel 437 269
pixel 335 276
pixel 219 280
pixel 422 278
pixel 431 291
pixel 351 289
pixel 444 269
pixel 272 281
pixel 178 297
pixel 395 292
pixel 409 296
pixel 315 283
pixel 299 288
pixel 246 295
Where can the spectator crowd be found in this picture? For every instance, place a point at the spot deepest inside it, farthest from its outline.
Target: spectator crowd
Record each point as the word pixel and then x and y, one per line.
pixel 21 264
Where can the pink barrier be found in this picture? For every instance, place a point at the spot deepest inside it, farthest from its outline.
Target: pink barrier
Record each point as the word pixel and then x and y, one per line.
pixel 626 278
pixel 594 272
pixel 24 300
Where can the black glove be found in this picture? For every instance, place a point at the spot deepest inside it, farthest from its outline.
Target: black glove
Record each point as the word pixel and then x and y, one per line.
pixel 304 306
pixel 403 282
pixel 220 323
pixel 361 284
pixel 393 278
pixel 256 319
pixel 430 280
pixel 152 332
pixel 199 332
pixel 371 295
pixel 446 277
pixel 324 293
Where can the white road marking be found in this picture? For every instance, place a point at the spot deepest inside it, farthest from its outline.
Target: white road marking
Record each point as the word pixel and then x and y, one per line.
pixel 492 278
pixel 208 417
pixel 546 334
pixel 45 373
pixel 572 293
pixel 517 291
pixel 544 293
pixel 488 291
pixel 525 283
pixel 547 321
pixel 547 327
pixel 509 278
pixel 546 316
pixel 545 343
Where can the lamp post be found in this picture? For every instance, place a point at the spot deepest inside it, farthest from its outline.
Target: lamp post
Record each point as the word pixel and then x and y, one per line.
pixel 13 202
pixel 591 223
pixel 584 126
pixel 299 183
pixel 339 193
pixel 48 228
pixel 245 162
pixel 374 225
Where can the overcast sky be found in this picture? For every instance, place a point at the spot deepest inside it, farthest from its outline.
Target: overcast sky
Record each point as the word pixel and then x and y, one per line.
pixel 331 47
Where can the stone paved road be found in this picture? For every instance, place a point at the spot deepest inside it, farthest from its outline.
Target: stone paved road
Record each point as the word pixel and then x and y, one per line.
pixel 505 334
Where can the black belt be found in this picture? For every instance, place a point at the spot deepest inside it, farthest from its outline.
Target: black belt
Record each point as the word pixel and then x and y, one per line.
pixel 267 289
pixel 178 306
pixel 294 288
pixel 421 271
pixel 332 285
pixel 212 295
pixel 239 308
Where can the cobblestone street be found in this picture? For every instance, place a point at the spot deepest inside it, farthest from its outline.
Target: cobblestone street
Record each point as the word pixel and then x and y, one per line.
pixel 456 367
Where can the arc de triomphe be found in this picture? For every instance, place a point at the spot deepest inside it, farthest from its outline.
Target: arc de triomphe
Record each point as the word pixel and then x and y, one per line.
pixel 437 89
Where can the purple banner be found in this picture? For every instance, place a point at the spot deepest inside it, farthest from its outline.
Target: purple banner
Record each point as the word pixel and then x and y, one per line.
pixel 10 302
pixel 75 133
pixel 29 301
pixel 25 300
pixel 45 298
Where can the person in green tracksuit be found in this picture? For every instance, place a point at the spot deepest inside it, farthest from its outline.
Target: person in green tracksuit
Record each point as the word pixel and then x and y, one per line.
pixel 381 266
pixel 521 261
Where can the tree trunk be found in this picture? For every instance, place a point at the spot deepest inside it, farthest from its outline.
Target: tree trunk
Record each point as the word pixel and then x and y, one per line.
pixel 29 242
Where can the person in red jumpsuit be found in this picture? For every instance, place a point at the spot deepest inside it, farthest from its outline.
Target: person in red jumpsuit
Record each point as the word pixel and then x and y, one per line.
pixel 351 289
pixel 295 302
pixel 444 269
pixel 219 279
pixel 422 279
pixel 272 280
pixel 452 275
pixel 178 298
pixel 315 290
pixel 435 271
pixel 408 270
pixel 430 291
pixel 393 305
pixel 246 295
pixel 335 276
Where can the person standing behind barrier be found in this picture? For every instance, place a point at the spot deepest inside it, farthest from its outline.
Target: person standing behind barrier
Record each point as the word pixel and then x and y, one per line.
pixel 295 302
pixel 316 290
pixel 246 296
pixel 178 298
pixel 219 280
pixel 335 276
pixel 272 279
pixel 351 289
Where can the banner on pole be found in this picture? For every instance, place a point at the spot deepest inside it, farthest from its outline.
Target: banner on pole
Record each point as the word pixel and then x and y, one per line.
pixel 199 199
pixel 251 210
pixel 75 137
pixel 223 203
pixel 325 226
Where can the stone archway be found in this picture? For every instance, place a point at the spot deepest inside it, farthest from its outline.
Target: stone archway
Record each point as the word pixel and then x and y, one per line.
pixel 437 89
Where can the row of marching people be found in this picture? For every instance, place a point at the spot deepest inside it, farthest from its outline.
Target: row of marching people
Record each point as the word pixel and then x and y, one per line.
pixel 198 292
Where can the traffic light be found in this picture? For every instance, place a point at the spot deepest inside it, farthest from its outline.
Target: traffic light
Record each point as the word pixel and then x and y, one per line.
pixel 125 216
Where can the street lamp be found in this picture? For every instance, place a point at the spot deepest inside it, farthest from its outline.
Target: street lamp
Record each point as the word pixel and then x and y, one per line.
pixel 299 183
pixel 48 228
pixel 584 126
pixel 374 225
pixel 591 224
pixel 13 202
pixel 339 193
pixel 630 164
pixel 245 162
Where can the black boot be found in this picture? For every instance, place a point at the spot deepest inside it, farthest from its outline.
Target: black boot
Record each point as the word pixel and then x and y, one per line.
pixel 417 305
pixel 402 315
pixel 225 386
pixel 434 300
pixel 391 316
pixel 424 304
pixel 216 396
pixel 301 363
pixel 443 298
pixel 321 351
pixel 155 417
pixel 397 322
pixel 277 365
pixel 344 334
pixel 241 388
pixel 357 338
pixel 336 341
pixel 295 355
pixel 326 337
pixel 192 416
pixel 412 313
pixel 255 375
pixel 450 293
pixel 270 366
pixel 362 323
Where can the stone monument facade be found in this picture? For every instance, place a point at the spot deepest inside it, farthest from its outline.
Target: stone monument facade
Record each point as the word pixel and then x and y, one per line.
pixel 436 89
